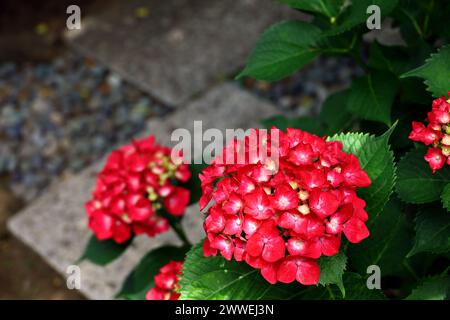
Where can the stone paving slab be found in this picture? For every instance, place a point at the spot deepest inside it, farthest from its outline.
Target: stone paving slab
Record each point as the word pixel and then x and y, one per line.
pixel 55 224
pixel 182 46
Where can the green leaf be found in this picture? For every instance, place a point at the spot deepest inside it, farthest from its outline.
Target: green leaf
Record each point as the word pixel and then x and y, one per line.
pixel 389 242
pixel 103 252
pixel 433 288
pixel 416 182
pixel 140 279
pixel 377 160
pixel 371 96
pixel 445 197
pixel 432 231
pixel 215 278
pixel 334 112
pixel 354 14
pixel 309 124
pixel 355 289
pixel 435 72
pixel 282 49
pixel 331 270
pixel 329 8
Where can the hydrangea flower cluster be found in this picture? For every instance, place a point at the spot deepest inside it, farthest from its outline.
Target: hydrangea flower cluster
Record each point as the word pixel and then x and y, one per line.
pixel 166 282
pixel 280 218
pixel 435 134
pixel 137 180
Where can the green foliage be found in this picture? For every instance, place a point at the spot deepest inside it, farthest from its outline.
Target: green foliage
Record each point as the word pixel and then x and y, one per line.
pixel 389 242
pixel 214 278
pixel 309 124
pixel 371 97
pixel 435 72
pixel 416 182
pixel 355 289
pixel 445 197
pixel 281 50
pixel 334 112
pixel 432 231
pixel 140 279
pixel 332 269
pixel 433 288
pixel 103 252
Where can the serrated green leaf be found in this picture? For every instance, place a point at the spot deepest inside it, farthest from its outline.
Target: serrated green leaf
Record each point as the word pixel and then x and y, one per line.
pixel 332 269
pixel 355 289
pixel 435 72
pixel 432 231
pixel 416 181
pixel 215 278
pixel 281 50
pixel 309 124
pixel 377 160
pixel 434 288
pixel 329 8
pixel 103 252
pixel 371 97
pixel 140 279
pixel 334 112
pixel 388 244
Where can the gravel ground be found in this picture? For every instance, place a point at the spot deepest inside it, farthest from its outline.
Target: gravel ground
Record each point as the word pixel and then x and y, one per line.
pixel 304 92
pixel 59 117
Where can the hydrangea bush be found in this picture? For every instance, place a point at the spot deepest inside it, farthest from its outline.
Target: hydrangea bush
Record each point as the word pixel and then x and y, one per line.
pixel 365 186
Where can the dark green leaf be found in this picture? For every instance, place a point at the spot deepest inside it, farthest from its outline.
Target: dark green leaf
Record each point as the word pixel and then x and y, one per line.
pixel 282 49
pixel 334 112
pixel 435 72
pixel 377 160
pixel 332 269
pixel 355 14
pixel 434 288
pixel 309 124
pixel 432 231
pixel 103 252
pixel 355 289
pixel 445 197
pixel 388 244
pixel 371 97
pixel 140 279
pixel 416 181
pixel 215 278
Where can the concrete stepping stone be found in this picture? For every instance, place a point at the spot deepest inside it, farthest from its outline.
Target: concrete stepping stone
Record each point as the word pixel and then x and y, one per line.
pixel 54 225
pixel 174 49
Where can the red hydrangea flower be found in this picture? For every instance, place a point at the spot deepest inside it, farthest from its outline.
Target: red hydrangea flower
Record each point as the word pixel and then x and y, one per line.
pixel 435 134
pixel 281 216
pixel 136 181
pixel 166 282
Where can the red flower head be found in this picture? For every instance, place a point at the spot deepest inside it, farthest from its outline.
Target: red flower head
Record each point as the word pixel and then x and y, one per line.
pixel 135 183
pixel 281 212
pixel 435 134
pixel 166 282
